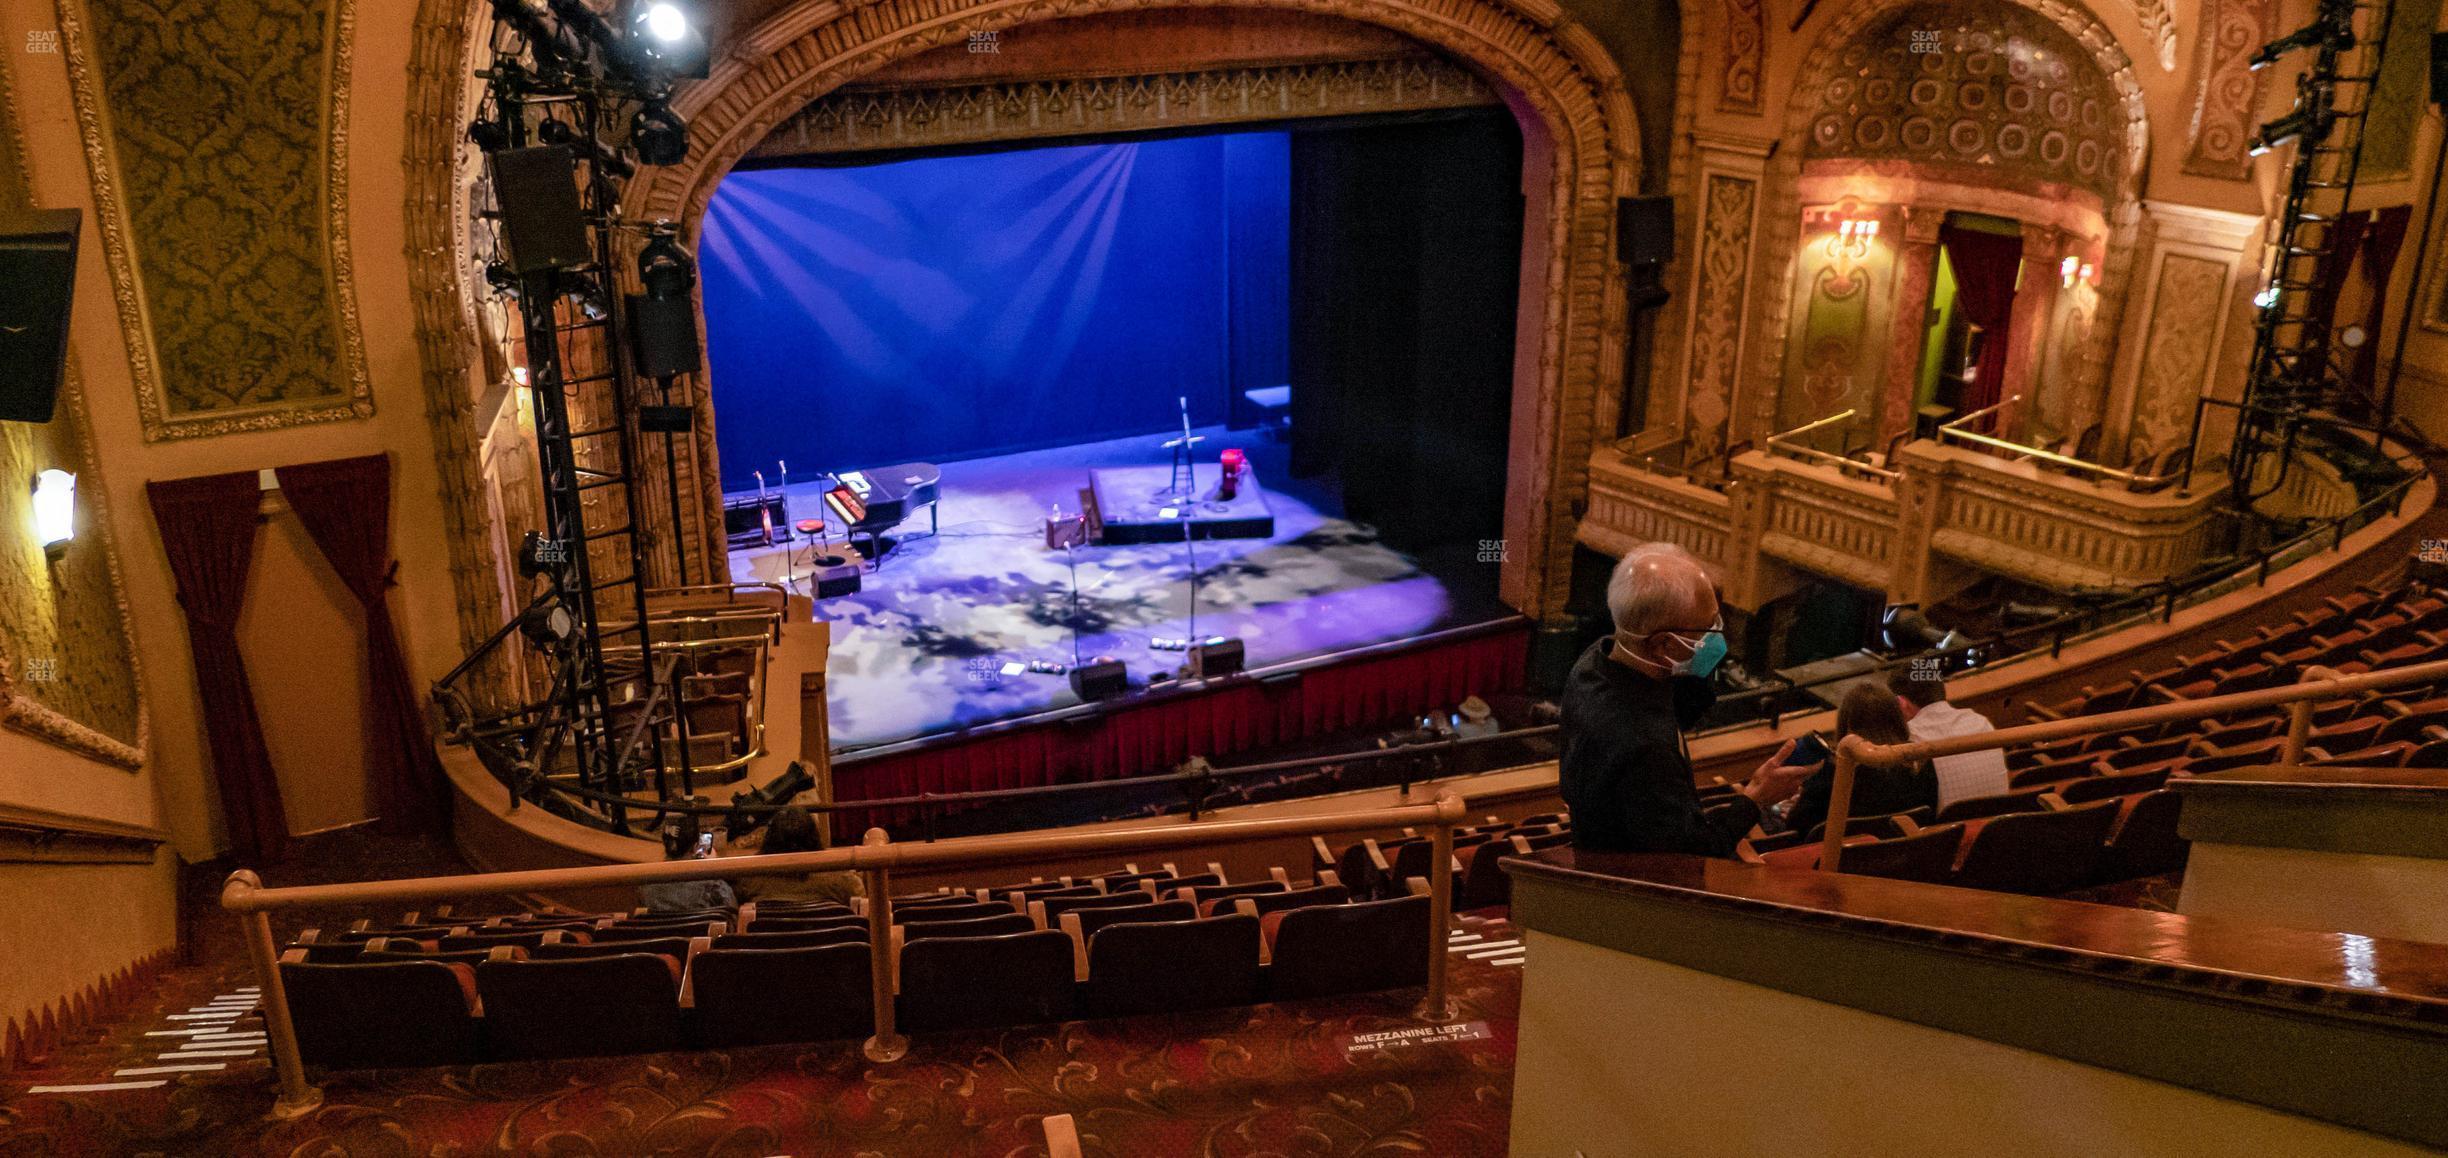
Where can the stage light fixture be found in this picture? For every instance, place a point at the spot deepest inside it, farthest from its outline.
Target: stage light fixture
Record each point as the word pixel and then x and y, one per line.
pixel 538 555
pixel 2333 28
pixel 658 134
pixel 2307 121
pixel 488 136
pixel 664 39
pixel 610 161
pixel 499 276
pixel 54 510
pixel 665 267
pixel 2267 297
pixel 548 625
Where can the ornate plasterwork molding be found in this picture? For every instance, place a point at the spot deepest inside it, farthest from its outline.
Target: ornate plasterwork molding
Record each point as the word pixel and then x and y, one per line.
pixel 2226 89
pixel 2159 24
pixel 356 399
pixel 857 119
pixel 1781 220
pixel 1553 69
pixel 1745 48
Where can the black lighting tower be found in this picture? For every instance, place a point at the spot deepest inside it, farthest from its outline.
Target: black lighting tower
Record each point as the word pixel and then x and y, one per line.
pixel 2292 376
pixel 575 97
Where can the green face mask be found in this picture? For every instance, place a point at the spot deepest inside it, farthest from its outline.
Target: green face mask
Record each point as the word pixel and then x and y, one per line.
pixel 1704 658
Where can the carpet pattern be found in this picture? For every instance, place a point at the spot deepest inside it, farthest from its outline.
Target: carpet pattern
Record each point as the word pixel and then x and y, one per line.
pixel 920 648
pixel 1265 1080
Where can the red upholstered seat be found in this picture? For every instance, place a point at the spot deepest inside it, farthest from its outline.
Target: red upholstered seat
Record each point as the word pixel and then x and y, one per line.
pixel 762 996
pixel 994 926
pixel 1167 966
pixel 1263 904
pixel 2039 852
pixel 986 982
pixel 1353 948
pixel 625 1003
pixel 1976 807
pixel 383 1014
pixel 2103 787
pixel 1928 855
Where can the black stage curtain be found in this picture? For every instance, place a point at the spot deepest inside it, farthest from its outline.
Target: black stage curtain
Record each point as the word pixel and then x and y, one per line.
pixel 1406 255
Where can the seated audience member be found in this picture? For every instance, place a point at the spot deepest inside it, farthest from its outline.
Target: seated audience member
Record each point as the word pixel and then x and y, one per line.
pixel 1928 716
pixel 1623 771
pixel 1870 712
pixel 793 829
pixel 1476 719
pixel 681 841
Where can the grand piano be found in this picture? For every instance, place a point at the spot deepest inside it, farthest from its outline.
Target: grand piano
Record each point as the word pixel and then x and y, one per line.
pixel 875 500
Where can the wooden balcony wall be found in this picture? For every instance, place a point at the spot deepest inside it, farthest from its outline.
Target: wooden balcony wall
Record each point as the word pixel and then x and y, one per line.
pixel 1629 506
pixel 2050 529
pixel 1813 517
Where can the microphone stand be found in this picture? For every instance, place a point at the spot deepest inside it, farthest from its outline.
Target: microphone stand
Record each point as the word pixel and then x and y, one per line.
pixel 790 565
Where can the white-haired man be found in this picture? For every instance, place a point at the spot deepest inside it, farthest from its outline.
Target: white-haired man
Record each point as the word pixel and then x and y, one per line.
pixel 1624 771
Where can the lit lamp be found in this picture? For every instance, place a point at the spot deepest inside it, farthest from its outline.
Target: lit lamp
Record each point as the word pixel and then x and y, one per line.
pixel 1852 237
pixel 54 510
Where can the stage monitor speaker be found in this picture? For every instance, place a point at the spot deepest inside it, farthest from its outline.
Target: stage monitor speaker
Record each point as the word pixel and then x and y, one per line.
pixel 542 226
pixel 1101 678
pixel 38 270
pixel 664 333
pixel 666 419
pixel 1644 230
pixel 1215 658
pixel 2439 70
pixel 835 575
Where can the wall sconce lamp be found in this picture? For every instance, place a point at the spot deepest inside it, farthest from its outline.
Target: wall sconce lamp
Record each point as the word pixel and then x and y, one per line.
pixel 1853 237
pixel 2074 269
pixel 54 511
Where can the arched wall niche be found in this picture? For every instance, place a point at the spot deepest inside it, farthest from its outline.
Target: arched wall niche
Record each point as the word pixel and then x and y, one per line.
pixel 1581 152
pixel 1913 138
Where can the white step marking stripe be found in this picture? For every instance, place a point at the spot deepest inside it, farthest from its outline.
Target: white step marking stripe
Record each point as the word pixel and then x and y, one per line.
pixel 197 1067
pixel 1494 951
pixel 1508 961
pixel 184 1054
pixel 98 1087
pixel 202 1016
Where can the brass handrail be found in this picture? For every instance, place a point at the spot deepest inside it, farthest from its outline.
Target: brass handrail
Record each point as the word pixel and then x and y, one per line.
pixel 2067 461
pixel 245 896
pixel 1776 442
pixel 1958 421
pixel 1855 751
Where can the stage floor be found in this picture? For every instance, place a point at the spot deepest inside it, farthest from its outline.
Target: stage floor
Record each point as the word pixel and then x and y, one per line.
pixel 920 649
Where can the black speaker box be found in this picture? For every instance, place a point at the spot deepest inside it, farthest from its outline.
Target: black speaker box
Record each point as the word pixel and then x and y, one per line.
pixel 1101 678
pixel 666 419
pixel 835 575
pixel 664 332
pixel 1220 658
pixel 37 276
pixel 542 226
pixel 2439 68
pixel 1644 230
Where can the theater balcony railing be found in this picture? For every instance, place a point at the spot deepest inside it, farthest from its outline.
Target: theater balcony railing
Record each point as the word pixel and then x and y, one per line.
pixel 1918 528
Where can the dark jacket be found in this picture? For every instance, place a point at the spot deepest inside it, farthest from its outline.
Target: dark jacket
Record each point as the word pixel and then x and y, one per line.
pixel 1876 792
pixel 1624 772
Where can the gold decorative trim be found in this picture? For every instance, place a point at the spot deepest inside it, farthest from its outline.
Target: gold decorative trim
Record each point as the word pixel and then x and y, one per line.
pixel 23 712
pixel 859 119
pixel 127 287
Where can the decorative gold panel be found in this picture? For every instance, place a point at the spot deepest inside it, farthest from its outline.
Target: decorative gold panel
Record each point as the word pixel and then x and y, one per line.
pixel 67 662
pixel 1729 204
pixel 2184 319
pixel 1987 85
pixel 2227 92
pixel 1744 46
pixel 216 135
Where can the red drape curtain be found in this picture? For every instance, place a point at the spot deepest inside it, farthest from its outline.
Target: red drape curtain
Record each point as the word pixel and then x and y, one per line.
pixel 1985 266
pixel 208 531
pixel 345 504
pixel 1152 736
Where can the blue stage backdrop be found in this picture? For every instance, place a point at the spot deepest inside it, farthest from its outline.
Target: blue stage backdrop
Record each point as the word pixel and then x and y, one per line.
pixel 951 307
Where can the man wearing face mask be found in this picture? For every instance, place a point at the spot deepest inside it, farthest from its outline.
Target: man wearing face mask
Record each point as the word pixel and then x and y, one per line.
pixel 1625 772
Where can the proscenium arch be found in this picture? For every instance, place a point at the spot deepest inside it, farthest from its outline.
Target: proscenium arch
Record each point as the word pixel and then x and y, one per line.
pixel 1579 131
pixel 1781 203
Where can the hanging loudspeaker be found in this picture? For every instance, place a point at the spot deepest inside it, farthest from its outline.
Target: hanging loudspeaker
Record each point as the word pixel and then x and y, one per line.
pixel 542 226
pixel 664 331
pixel 38 265
pixel 1644 230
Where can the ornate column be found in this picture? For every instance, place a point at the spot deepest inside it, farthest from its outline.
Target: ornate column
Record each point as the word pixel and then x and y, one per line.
pixel 2035 302
pixel 1720 303
pixel 2193 281
pixel 1916 277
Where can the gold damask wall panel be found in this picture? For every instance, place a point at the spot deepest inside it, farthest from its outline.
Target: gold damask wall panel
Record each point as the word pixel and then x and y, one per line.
pixel 216 131
pixel 2185 304
pixel 66 672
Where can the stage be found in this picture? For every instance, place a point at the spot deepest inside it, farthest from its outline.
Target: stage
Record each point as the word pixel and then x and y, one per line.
pixel 921 649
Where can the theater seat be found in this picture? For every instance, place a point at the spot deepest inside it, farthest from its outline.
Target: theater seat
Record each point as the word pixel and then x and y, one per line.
pixel 987 982
pixel 1976 807
pixel 1353 948
pixel 794 939
pixel 2103 787
pixel 1048 913
pixel 994 926
pixel 2039 852
pixel 1205 893
pixel 928 914
pixel 2145 843
pixel 765 996
pixel 1927 855
pixel 1173 965
pixel 761 923
pixel 676 948
pixel 391 1013
pixel 627 1003
pixel 1083 924
pixel 1260 904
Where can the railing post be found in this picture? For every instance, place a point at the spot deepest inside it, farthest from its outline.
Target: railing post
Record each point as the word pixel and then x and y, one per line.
pixel 1440 911
pixel 297 1097
pixel 886 1045
pixel 1840 805
pixel 2299 718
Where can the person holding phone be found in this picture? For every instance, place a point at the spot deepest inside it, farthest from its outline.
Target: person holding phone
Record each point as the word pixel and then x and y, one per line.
pixel 1625 772
pixel 1867 710
pixel 685 839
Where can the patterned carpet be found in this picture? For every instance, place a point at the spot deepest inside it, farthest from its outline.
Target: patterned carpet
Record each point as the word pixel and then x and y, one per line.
pixel 920 648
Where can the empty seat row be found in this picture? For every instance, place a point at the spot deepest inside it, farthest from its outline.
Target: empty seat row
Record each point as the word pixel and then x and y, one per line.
pixel 2062 847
